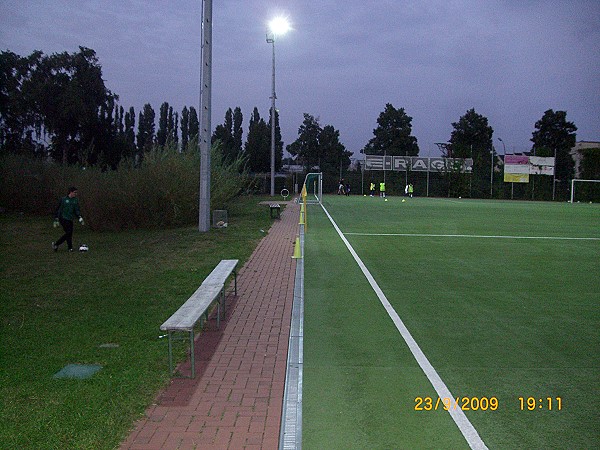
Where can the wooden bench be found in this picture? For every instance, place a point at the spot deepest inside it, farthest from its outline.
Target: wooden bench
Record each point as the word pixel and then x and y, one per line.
pixel 275 208
pixel 190 313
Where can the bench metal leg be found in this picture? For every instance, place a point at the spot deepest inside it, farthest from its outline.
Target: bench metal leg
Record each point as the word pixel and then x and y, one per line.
pixel 170 354
pixel 235 281
pixel 193 353
pixel 219 314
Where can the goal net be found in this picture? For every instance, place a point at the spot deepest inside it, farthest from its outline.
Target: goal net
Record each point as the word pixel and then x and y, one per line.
pixel 313 188
pixel 585 191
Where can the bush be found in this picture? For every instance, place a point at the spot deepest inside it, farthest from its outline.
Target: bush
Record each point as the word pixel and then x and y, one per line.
pixel 162 191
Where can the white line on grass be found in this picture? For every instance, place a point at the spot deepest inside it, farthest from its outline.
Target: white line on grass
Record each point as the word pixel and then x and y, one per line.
pixel 459 417
pixel 482 236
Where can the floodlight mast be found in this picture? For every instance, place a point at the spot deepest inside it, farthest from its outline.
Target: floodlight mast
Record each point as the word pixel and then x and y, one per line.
pixel 205 116
pixel 277 26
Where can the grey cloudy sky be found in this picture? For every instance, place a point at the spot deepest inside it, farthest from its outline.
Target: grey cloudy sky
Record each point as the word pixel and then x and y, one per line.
pixel 511 60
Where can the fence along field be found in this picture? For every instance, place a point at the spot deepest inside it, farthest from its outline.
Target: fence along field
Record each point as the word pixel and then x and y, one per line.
pixel 501 318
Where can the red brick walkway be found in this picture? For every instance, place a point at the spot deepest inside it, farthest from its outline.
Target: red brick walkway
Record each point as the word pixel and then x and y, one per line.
pixel 236 399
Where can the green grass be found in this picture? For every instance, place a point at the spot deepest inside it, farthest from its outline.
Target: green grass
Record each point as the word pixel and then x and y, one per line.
pixel 58 308
pixel 503 318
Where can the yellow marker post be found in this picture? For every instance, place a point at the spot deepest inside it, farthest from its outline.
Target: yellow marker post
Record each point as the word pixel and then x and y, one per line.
pixel 306 219
pixel 297 252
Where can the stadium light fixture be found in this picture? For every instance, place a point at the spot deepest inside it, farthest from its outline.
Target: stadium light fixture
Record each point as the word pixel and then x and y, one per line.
pixel 277 27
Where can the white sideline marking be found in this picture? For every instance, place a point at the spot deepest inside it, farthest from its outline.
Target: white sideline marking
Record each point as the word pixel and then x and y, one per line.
pixel 459 417
pixel 483 236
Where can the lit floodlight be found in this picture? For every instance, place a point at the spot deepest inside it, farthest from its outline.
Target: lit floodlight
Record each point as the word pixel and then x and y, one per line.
pixel 279 26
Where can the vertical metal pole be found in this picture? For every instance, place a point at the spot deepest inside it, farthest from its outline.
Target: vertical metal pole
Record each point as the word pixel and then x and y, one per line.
pixel 492 175
pixel 273 97
pixel 428 165
pixel 554 177
pixel 362 179
pixel 205 116
pixel 572 189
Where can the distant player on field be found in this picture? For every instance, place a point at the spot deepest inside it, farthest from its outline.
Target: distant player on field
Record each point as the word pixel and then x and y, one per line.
pixel 382 189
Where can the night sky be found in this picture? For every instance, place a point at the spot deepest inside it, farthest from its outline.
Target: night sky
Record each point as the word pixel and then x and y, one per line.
pixel 343 60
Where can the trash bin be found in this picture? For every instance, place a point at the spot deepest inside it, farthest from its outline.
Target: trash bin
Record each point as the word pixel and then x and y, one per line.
pixel 219 218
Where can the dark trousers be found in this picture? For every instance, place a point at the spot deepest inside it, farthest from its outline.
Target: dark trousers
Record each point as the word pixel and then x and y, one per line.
pixel 68 236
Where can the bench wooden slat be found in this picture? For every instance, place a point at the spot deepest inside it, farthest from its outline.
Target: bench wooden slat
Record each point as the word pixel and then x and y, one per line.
pixel 190 312
pixel 221 272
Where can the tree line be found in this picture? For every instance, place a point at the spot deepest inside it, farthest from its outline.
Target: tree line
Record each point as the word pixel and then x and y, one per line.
pixel 58 106
pixel 472 137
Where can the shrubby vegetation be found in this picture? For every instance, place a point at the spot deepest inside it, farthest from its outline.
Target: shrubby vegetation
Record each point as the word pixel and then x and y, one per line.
pixel 162 191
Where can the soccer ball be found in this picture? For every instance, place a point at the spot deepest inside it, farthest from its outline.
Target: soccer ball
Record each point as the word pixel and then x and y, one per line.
pixel 83 248
pixel 403 201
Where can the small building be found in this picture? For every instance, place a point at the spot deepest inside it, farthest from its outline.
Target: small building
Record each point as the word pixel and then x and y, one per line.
pixel 577 156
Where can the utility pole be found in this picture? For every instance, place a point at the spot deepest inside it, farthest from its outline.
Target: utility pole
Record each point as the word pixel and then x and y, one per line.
pixel 205 113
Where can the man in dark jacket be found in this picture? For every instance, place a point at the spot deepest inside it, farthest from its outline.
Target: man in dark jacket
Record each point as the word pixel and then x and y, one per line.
pixel 67 210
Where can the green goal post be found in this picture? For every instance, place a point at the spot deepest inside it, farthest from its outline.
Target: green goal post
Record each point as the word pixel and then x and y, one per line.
pixel 313 183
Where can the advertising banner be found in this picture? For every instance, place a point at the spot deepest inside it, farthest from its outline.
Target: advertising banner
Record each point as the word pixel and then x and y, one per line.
pixel 539 165
pixel 418 164
pixel 516 169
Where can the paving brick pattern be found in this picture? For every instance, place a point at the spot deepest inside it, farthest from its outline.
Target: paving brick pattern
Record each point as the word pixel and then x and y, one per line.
pixel 235 401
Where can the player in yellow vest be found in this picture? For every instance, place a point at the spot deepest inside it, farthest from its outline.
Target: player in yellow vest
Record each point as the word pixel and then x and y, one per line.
pixel 372 189
pixel 382 189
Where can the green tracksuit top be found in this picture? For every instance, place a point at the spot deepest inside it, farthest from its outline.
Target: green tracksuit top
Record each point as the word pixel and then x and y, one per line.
pixel 68 208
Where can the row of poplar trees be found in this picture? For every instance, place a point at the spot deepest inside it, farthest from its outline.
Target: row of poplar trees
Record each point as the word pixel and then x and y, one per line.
pixel 58 106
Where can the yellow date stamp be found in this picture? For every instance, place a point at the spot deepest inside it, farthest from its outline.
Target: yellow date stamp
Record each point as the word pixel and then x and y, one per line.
pixel 456 403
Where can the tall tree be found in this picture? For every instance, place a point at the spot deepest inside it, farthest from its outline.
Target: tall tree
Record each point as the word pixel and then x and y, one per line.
pixel 62 94
pixel 175 128
pixel 224 134
pixel 72 93
pixel 106 149
pixel 19 115
pixel 472 138
pixel 163 125
pixel 185 121
pixel 172 125
pixel 258 144
pixel 146 127
pixel 306 147
pixel 130 132
pixel 393 134
pixel 119 114
pixel 238 132
pixel 194 125
pixel 334 156
pixel 555 136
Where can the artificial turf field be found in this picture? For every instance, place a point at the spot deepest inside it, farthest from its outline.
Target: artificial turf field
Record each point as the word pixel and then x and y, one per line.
pixel 502 298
